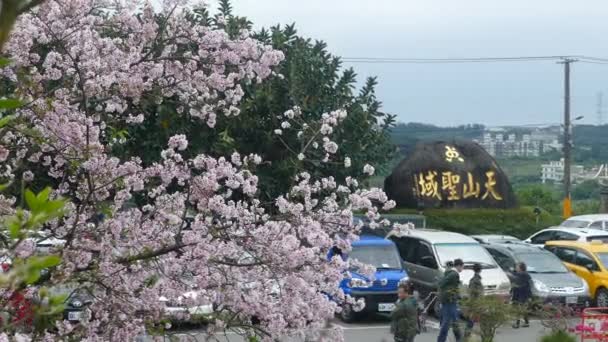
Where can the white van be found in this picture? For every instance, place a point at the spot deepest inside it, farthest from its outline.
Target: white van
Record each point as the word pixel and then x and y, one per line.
pixel 425 253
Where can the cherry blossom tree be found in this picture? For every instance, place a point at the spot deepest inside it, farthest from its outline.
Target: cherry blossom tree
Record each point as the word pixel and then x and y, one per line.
pixel 135 233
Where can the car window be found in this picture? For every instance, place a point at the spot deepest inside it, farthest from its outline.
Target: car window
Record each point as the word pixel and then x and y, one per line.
pixel 541 262
pixel 566 254
pixel 504 261
pixel 379 256
pixel 563 236
pixel 603 238
pixel 470 253
pixel 597 224
pixel 542 237
pixel 424 256
pixel 407 247
pixel 575 224
pixel 585 260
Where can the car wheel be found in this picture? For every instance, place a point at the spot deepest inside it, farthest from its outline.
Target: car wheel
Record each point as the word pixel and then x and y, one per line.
pixel 348 314
pixel 601 298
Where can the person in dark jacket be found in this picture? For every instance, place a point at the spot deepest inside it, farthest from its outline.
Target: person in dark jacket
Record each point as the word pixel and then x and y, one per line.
pixel 449 293
pixel 475 285
pixel 522 292
pixel 404 318
pixel 475 292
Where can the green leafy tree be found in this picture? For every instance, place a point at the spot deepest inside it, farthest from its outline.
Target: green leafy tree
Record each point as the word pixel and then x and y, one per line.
pixel 310 78
pixel 540 196
pixel 586 190
pixel 491 312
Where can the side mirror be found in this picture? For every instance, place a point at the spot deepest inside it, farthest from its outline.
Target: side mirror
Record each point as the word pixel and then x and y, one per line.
pixel 528 241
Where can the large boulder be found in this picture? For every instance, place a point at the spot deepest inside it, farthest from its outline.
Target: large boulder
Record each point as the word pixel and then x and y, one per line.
pixel 449 174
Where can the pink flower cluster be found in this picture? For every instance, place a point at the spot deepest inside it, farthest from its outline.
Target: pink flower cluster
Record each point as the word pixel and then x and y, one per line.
pixel 182 223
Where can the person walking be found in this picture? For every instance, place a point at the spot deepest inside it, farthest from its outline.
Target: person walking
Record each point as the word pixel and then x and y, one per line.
pixel 475 292
pixel 404 318
pixel 522 292
pixel 449 293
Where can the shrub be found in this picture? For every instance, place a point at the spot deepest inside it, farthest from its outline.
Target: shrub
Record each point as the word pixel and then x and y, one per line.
pixel 491 312
pixel 558 336
pixel 521 222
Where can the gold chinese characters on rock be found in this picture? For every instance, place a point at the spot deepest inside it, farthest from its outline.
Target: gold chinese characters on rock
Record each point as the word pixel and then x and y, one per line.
pixel 452 154
pixel 451 186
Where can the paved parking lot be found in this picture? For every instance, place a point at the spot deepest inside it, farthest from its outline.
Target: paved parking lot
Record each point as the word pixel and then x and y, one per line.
pixel 377 330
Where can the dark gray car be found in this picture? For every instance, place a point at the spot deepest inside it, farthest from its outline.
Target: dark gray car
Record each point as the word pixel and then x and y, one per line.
pixel 553 282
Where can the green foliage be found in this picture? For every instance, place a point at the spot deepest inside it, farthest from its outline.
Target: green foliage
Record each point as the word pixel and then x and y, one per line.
pixel 558 336
pixel 491 311
pixel 9 103
pixel 520 222
pixel 28 271
pixel 311 78
pixel 586 190
pixel 590 143
pixel 41 210
pixel 539 195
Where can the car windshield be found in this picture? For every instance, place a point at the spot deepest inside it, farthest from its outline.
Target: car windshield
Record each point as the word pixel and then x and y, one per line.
pixel 542 263
pixel 575 224
pixel 380 257
pixel 603 258
pixel 470 253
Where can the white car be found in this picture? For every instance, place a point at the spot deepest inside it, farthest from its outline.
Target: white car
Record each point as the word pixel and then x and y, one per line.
pixel 567 234
pixel 598 221
pixel 176 308
pixel 495 238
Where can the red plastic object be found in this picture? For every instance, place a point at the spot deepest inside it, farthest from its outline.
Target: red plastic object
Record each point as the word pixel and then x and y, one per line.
pixel 594 325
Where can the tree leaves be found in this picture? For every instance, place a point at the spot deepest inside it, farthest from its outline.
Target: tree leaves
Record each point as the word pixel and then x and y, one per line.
pixel 10 104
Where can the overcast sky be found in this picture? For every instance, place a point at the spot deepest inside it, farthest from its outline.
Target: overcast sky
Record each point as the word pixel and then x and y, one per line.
pixel 449 94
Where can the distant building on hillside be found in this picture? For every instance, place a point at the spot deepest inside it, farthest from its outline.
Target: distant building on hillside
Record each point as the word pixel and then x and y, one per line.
pixel 533 144
pixel 554 171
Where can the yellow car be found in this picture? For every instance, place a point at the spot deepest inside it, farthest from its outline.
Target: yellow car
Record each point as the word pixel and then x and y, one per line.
pixel 589 260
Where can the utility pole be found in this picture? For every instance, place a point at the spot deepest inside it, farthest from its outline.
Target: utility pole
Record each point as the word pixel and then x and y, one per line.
pixel 600 109
pixel 567 139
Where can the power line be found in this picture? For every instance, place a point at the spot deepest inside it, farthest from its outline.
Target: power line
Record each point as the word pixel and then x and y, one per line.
pixel 392 60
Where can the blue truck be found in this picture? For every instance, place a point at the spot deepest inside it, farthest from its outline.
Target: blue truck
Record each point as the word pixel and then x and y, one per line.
pixel 380 293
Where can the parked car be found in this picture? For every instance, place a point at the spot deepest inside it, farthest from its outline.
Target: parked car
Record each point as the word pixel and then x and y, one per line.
pixel 566 234
pixel 553 282
pixel 180 307
pixel 76 307
pixel 426 252
pixel 589 260
pixel 380 293
pixel 493 238
pixel 598 221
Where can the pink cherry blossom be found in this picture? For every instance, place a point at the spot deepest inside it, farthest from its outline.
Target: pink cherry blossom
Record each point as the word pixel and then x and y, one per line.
pixel 182 223
pixel 368 169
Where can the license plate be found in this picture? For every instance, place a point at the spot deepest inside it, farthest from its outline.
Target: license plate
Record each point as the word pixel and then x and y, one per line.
pixel 386 307
pixel 74 315
pixel 571 300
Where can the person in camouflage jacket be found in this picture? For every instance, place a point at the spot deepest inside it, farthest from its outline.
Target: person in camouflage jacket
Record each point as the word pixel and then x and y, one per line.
pixel 404 318
pixel 449 294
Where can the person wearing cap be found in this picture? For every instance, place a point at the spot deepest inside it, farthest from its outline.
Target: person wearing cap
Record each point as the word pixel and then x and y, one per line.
pixel 449 293
pixel 404 318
